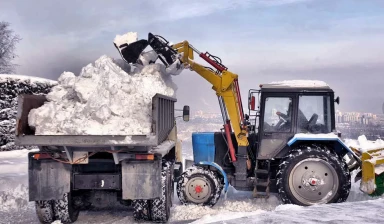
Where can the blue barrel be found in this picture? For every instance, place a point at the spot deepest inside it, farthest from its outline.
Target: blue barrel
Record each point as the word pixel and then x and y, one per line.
pixel 203 144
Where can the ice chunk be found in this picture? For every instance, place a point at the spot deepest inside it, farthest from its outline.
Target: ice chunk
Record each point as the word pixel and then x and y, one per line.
pixel 128 38
pixel 149 57
pixel 67 79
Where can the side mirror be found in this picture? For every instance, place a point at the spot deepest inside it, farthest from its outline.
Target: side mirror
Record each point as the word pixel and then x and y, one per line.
pixel 186 113
pixel 337 100
pixel 253 102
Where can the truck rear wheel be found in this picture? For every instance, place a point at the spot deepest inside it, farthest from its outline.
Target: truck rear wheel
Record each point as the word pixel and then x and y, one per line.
pixel 313 175
pixel 44 211
pixel 198 185
pixel 64 209
pixel 161 207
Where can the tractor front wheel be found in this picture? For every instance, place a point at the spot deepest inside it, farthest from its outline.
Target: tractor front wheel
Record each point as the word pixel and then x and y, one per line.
pixel 313 175
pixel 199 185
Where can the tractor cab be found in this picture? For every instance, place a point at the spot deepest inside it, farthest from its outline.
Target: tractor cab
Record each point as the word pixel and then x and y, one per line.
pixel 288 108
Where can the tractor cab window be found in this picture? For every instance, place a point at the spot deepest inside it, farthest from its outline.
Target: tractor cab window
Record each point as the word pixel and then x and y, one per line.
pixel 314 115
pixel 277 114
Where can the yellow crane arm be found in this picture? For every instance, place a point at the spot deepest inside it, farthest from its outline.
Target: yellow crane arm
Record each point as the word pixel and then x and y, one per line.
pixel 225 84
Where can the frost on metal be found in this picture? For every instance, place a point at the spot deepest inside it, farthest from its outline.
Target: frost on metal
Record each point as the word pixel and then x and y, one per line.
pixel 109 97
pixel 309 135
pixel 379 169
pixel 368 186
pixel 363 144
pixel 301 83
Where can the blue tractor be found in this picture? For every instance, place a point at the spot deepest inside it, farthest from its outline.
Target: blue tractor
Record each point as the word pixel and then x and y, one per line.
pixel 293 150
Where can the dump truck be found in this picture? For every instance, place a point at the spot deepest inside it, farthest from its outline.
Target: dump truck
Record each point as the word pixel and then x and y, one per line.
pixel 70 173
pixel 287 143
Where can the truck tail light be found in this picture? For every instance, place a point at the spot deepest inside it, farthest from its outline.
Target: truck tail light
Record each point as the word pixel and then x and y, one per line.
pixel 144 156
pixel 41 156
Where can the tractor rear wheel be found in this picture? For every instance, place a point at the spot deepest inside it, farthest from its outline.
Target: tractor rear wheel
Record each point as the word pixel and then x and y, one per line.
pixel 198 185
pixel 313 175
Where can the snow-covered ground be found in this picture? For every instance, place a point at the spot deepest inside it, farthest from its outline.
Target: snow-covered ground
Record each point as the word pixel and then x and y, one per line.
pixel 237 207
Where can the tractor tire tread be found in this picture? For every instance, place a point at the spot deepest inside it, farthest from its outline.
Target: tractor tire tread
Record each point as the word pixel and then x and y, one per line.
pixel 314 151
pixel 216 180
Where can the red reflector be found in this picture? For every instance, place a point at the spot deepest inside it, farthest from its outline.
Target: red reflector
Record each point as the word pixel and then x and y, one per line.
pixel 145 156
pixel 253 102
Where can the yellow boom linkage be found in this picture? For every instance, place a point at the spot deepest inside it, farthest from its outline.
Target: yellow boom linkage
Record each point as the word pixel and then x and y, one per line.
pixel 225 84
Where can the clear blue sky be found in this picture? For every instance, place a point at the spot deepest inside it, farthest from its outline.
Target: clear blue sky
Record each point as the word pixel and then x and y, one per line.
pixel 337 41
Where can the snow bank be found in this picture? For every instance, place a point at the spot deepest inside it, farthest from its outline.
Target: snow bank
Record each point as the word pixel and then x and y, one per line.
pixel 301 83
pixel 14 199
pixel 11 86
pixel 238 204
pixel 16 154
pixel 23 78
pixel 226 216
pixel 107 98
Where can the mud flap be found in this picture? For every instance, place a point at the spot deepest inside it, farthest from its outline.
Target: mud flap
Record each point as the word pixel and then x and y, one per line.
pixel 48 179
pixel 141 180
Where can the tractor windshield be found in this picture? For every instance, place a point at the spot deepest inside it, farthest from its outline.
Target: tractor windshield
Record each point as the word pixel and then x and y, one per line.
pixel 314 114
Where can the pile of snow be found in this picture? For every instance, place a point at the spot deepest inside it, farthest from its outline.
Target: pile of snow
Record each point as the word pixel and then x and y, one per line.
pixel 301 83
pixel 109 97
pixel 362 144
pixel 11 86
pixel 14 199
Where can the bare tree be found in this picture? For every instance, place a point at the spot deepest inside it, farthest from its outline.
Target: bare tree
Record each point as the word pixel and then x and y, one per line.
pixel 8 41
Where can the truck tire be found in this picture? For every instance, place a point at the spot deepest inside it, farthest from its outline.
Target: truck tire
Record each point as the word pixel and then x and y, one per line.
pixel 141 211
pixel 44 211
pixel 64 209
pixel 313 175
pixel 161 207
pixel 201 186
pixel 172 174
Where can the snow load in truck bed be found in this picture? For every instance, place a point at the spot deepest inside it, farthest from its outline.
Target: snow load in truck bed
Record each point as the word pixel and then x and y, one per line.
pixel 109 97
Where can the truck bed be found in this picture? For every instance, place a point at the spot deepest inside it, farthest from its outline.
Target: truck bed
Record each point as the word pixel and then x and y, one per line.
pixel 163 121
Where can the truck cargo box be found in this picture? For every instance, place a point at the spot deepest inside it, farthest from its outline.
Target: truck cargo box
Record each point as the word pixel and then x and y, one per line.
pixel 163 121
